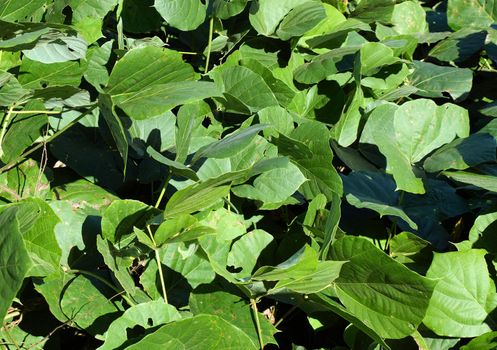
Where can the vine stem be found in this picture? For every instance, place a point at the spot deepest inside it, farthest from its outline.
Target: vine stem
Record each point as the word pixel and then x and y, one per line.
pixel 159 266
pixel 253 303
pixel 104 281
pixel 40 145
pixel 209 44
pixel 5 124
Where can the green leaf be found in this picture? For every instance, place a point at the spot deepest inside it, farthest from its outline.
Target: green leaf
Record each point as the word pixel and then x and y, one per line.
pixel 487 182
pixel 175 167
pixel 150 80
pixel 478 14
pixel 57 47
pixel 246 250
pixel 459 46
pixel 374 56
pixel 322 176
pixel 115 126
pixel 233 309
pixel 182 14
pixel 19 10
pixel 387 296
pixel 231 144
pixel 274 187
pixel 37 223
pixel 433 81
pixel 346 129
pixel 464 295
pixel 406 134
pixel 146 315
pixel 225 10
pixel 461 154
pixel 120 217
pixel 301 19
pixel 96 72
pixel 375 191
pixel 194 198
pixel 24 130
pixel 266 15
pixel 188 119
pixel 300 265
pixel 14 259
pixel 244 90
pixel 323 277
pixel 36 75
pixel 78 299
pixel 207 332
pixel 487 341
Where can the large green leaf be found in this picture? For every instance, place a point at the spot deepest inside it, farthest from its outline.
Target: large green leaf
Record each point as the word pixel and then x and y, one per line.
pixel 207 332
pixel 479 14
pixel 14 259
pixel 301 19
pixel 461 154
pixel 37 223
pixel 464 295
pixel 266 15
pixel 146 315
pixel 487 182
pixel 433 81
pixel 12 10
pixel 406 134
pixel 182 14
pixel 384 294
pixel 235 310
pixel 80 300
pixel 36 75
pixel 150 80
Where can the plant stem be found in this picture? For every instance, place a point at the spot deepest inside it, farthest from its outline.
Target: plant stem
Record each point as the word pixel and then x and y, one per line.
pixel 10 338
pixel 5 124
pixel 40 145
pixel 36 112
pixel 104 281
pixel 159 266
pixel 163 190
pixel 285 315
pixel 253 303
pixel 209 44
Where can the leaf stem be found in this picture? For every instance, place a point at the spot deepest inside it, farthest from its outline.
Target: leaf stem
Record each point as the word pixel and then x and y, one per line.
pixel 104 281
pixel 253 303
pixel 159 266
pixel 163 190
pixel 10 338
pixel 40 145
pixel 5 124
pixel 209 44
pixel 36 112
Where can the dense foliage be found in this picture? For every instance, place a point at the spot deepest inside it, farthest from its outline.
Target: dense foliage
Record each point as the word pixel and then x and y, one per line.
pixel 236 174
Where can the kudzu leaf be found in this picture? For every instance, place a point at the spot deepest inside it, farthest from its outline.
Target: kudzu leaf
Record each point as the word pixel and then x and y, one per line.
pixel 182 14
pixel 301 19
pixel 14 259
pixel 233 309
pixel 406 134
pixel 432 80
pixel 246 250
pixel 266 15
pixel 387 296
pixel 208 332
pixel 464 295
pixel 19 10
pixel 478 14
pixel 231 144
pixel 487 182
pixel 461 154
pixel 175 167
pixel 147 315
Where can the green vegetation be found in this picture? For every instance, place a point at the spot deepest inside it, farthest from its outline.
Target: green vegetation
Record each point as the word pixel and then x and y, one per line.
pixel 236 174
